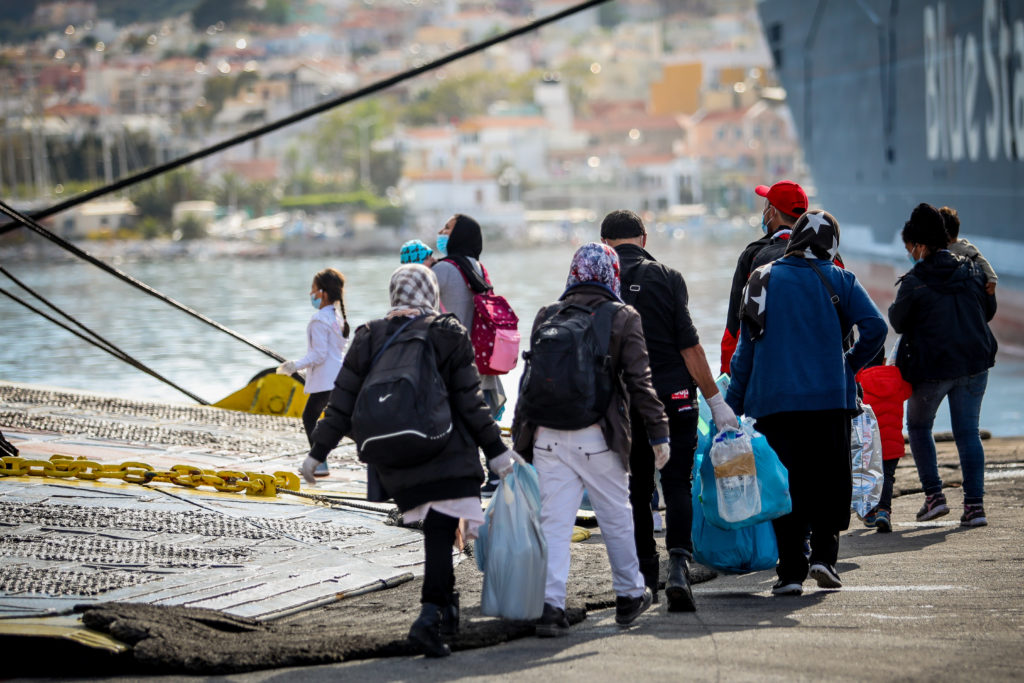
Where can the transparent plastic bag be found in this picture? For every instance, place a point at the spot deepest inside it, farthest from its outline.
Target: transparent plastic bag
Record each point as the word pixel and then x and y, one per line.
pixel 734 550
pixel 739 496
pixel 511 550
pixel 865 462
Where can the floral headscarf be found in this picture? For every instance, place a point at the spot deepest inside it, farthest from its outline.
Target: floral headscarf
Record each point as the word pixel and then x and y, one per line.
pixel 595 264
pixel 413 291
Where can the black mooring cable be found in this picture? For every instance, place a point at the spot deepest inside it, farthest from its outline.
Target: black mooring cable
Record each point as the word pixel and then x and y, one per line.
pixel 98 340
pixel 112 350
pixel 35 227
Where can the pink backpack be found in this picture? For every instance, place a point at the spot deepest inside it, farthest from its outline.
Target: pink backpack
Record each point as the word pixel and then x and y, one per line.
pixel 495 331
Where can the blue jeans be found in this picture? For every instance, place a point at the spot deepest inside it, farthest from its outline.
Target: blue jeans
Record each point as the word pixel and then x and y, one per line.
pixel 965 395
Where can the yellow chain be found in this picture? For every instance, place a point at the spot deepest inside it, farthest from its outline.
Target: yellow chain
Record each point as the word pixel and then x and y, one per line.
pixel 63 467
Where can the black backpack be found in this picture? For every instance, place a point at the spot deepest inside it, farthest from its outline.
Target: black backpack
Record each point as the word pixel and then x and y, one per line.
pixel 402 415
pixel 569 381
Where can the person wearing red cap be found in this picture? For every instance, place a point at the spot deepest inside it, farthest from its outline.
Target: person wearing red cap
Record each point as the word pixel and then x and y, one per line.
pixel 785 202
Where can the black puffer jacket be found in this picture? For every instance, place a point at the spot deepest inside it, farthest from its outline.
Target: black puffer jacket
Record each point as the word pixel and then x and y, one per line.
pixel 455 472
pixel 942 311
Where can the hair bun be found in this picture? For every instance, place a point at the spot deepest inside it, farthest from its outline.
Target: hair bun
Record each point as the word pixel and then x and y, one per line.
pixel 927 216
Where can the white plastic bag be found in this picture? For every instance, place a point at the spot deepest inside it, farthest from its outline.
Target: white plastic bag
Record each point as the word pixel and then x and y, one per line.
pixel 511 550
pixel 865 462
pixel 739 496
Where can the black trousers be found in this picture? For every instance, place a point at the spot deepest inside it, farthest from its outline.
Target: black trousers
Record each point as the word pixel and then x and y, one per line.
pixel 315 405
pixel 889 480
pixel 438 575
pixel 675 483
pixel 814 446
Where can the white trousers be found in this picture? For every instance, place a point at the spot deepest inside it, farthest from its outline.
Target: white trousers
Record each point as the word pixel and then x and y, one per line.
pixel 567 462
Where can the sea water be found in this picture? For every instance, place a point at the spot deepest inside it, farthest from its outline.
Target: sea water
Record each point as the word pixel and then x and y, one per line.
pixel 267 300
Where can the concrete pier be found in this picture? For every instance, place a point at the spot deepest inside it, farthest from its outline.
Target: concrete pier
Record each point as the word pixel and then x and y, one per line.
pixel 928 601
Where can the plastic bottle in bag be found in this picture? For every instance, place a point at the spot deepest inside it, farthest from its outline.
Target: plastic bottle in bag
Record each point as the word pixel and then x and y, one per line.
pixel 732 455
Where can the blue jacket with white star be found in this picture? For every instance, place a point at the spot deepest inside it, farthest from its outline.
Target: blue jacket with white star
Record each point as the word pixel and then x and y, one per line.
pixel 798 364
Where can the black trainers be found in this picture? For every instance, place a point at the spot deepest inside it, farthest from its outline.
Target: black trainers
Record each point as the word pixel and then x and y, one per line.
pixel 628 609
pixel 552 622
pixel 934 506
pixel 883 522
pixel 826 575
pixel 783 587
pixel 974 515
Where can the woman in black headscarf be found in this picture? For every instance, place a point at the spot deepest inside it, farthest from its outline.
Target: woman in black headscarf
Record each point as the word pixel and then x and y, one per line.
pixel 791 374
pixel 460 276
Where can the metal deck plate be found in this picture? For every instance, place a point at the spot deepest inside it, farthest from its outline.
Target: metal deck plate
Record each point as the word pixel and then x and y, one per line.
pixel 67 544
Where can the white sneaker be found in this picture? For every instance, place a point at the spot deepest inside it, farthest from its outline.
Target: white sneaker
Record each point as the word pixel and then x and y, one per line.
pixel 658 525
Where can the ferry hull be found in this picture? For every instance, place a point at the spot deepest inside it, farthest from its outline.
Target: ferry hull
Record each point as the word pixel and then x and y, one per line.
pixel 901 102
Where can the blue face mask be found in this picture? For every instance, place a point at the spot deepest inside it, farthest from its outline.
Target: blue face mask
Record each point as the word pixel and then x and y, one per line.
pixel 442 244
pixel 764 226
pixel 913 261
pixel 315 300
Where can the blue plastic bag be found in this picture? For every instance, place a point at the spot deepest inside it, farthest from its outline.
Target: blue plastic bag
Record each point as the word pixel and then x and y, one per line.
pixel 510 549
pixel 736 551
pixel 772 483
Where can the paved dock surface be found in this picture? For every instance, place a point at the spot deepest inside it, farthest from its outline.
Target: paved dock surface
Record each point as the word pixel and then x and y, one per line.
pixel 930 601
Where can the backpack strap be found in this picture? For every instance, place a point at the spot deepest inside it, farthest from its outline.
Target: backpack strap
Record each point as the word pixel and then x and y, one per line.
pixel 834 298
pixel 394 336
pixel 485 281
pixel 631 293
pixel 603 315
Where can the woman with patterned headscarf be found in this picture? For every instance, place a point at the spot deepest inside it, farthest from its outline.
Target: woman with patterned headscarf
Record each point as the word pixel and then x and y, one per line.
pixel 443 487
pixel 596 456
pixel 791 374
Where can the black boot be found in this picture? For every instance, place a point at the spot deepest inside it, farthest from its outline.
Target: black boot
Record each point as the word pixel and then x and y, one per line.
pixel 677 587
pixel 450 616
pixel 650 567
pixel 426 632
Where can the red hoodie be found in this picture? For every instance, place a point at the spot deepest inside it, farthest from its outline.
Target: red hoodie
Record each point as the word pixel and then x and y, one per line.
pixel 885 390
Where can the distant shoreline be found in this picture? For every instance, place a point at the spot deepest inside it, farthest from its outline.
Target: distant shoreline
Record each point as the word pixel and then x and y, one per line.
pixel 141 251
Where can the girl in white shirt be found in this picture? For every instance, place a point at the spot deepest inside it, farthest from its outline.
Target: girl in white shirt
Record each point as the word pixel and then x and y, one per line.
pixel 326 337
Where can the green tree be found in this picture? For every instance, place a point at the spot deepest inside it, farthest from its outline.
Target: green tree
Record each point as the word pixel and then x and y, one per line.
pixel 277 12
pixel 343 146
pixel 192 228
pixel 392 216
pixel 157 197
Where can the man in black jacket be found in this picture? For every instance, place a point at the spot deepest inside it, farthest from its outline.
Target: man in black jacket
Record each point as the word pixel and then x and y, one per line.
pixel 784 202
pixel 678 367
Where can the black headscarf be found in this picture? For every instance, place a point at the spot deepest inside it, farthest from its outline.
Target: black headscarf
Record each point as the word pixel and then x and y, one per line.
pixel 466 241
pixel 815 236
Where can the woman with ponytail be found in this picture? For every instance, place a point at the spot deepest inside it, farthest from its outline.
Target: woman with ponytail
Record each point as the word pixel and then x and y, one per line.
pixel 326 337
